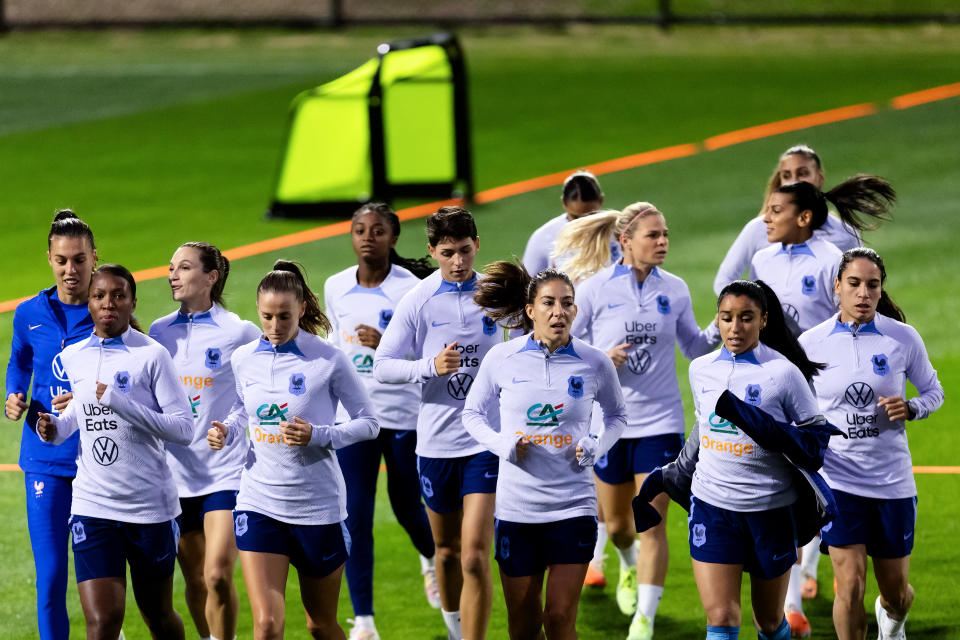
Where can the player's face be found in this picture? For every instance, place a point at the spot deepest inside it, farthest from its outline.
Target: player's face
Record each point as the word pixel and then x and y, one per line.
pixel 455 258
pixel 188 283
pixel 280 314
pixel 72 261
pixel 579 208
pixel 784 222
pixel 372 238
pixel 798 168
pixel 111 304
pixel 552 313
pixel 859 291
pixel 649 243
pixel 740 320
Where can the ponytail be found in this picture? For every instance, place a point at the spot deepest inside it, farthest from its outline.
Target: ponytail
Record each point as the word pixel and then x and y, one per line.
pixel 67 224
pixel 885 306
pixel 212 260
pixel 776 334
pixel 861 195
pixel 506 288
pixel 582 186
pixel 287 277
pixel 420 267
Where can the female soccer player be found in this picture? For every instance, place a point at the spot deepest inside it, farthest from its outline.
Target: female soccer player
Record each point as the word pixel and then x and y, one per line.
pixel 636 312
pixel 742 515
pixel 360 302
pixel 581 197
pixel 202 336
pixel 544 385
pixel 799 163
pixel 870 354
pixel 291 505
pixel 800 267
pixel 42 327
pixel 127 405
pixel 448 335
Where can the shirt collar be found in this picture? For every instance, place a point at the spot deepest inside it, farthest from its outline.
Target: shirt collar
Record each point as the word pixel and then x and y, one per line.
pixel 115 343
pixel 796 249
pixel 748 356
pixel 620 269
pixel 848 327
pixel 286 347
pixel 532 345
pixel 196 318
pixel 446 286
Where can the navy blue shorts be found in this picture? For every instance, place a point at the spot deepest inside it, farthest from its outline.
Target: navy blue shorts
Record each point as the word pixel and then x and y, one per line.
pixel 102 548
pixel 316 550
pixel 444 481
pixel 193 509
pixel 764 542
pixel 885 526
pixel 630 456
pixel 527 549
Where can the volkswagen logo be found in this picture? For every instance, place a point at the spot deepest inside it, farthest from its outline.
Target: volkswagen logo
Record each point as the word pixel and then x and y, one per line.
pixel 791 312
pixel 639 361
pixel 58 371
pixel 459 385
pixel 105 451
pixel 859 394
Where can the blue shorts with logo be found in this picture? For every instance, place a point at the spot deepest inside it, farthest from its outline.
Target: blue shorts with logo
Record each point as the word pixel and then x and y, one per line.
pixel 526 549
pixel 102 548
pixel 444 481
pixel 764 542
pixel 193 509
pixel 885 526
pixel 316 550
pixel 630 456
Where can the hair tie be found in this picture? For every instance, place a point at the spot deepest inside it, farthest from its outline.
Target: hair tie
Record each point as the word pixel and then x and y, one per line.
pixel 634 219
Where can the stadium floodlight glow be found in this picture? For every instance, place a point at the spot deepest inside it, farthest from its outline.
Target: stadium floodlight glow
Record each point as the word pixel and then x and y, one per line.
pixel 397 126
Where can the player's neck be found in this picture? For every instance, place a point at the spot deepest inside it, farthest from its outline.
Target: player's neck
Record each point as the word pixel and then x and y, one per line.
pixel 371 275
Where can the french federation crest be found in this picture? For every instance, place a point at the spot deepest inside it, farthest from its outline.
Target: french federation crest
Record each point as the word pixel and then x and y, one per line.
pixel 489 326
pixel 504 547
pixel 808 285
pixel 386 315
pixel 240 524
pixel 575 386
pixel 298 384
pixel 698 535
pixel 426 486
pixel 753 395
pixel 663 304
pixel 881 365
pixel 121 381
pixel 79 534
pixel 212 358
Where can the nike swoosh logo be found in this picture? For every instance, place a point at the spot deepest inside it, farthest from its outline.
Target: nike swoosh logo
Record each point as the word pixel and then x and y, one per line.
pixel 584 544
pixel 781 557
pixel 832 366
pixel 908 536
pixel 488 475
pixel 667 454
pixel 247 384
pixel 329 557
pixel 614 306
pixel 33 326
pixel 438 324
pixel 515 381
pixel 705 390
pixel 343 315
pixel 401 434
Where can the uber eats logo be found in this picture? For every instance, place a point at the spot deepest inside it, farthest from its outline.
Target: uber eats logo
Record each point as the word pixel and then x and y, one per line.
pixel 544 415
pixel 272 414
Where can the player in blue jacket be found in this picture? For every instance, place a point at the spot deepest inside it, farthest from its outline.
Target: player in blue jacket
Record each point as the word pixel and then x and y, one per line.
pixel 42 327
pixel 870 355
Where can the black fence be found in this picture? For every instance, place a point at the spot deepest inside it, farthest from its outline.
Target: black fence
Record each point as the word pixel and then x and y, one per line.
pixel 39 14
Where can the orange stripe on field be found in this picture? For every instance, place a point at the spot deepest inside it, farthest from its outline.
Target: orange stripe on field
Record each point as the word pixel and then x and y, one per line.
pixel 9 467
pixel 927 95
pixel 937 470
pixel 10 305
pixel 791 124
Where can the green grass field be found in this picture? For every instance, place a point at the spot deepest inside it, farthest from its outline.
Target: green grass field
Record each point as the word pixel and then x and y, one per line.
pixel 162 137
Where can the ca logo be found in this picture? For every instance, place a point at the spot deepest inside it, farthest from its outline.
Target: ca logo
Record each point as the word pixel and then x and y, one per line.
pixel 721 425
pixel 459 385
pixel 105 451
pixel 859 394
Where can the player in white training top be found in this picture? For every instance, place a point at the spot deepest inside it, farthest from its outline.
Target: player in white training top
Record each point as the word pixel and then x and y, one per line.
pixel 637 313
pixel 127 404
pixel 543 385
pixel 448 335
pixel 201 336
pixel 799 163
pixel 292 502
pixel 360 302
pixel 870 355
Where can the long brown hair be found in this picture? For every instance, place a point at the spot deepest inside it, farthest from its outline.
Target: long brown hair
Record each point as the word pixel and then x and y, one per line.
pixel 287 277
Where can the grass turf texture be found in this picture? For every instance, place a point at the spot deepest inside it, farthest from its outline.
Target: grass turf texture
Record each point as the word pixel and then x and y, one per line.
pixel 176 135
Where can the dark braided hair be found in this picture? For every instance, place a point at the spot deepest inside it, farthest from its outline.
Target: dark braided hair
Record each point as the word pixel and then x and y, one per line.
pixel 420 267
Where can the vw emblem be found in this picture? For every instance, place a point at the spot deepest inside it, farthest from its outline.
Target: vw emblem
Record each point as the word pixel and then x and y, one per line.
pixel 58 371
pixel 105 451
pixel 791 312
pixel 459 385
pixel 639 361
pixel 859 394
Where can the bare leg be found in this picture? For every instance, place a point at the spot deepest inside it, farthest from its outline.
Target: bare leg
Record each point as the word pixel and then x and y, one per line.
pixel 103 601
pixel 564 585
pixel 445 528
pixel 154 597
pixel 220 557
pixel 190 555
pixel 719 587
pixel 524 606
pixel 477 538
pixel 320 597
pixel 850 570
pixel 767 596
pixel 265 575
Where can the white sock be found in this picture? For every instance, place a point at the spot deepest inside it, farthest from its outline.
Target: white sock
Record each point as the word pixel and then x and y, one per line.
pixel 452 620
pixel 601 543
pixel 888 626
pixel 628 556
pixel 364 622
pixel 648 599
pixel 811 557
pixel 794 600
pixel 425 564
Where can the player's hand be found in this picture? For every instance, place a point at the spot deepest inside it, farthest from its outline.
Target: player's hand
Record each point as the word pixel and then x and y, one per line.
pixel 101 389
pixel 587 451
pixel 368 336
pixel 60 402
pixel 619 354
pixel 523 448
pixel 46 428
pixel 296 433
pixel 897 408
pixel 448 360
pixel 14 406
pixel 217 435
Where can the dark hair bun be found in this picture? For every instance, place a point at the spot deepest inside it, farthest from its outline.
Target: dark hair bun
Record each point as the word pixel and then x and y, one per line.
pixel 65 214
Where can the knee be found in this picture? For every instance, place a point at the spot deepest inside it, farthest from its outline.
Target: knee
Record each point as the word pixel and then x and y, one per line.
pixel 104 624
pixel 219 580
pixel 447 555
pixel 851 588
pixel 557 619
pixel 321 629
pixel 726 615
pixel 267 624
pixel 475 562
